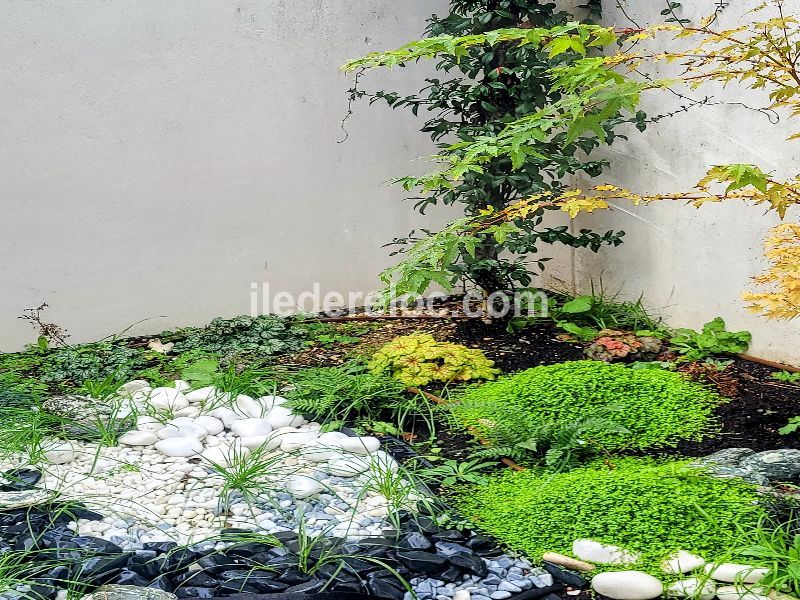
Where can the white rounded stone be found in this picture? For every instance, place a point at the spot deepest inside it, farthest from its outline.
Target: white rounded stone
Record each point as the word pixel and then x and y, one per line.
pixel 462 595
pixel 333 439
pixel 172 430
pixel 348 467
pixel 211 424
pixel 302 486
pixel 280 416
pixel 59 453
pixel 226 415
pixel 165 398
pixel 361 445
pixel 693 588
pixel 208 394
pixel 180 446
pixel 316 452
pixel 250 407
pixel 291 442
pixel 732 572
pixel 225 455
pixel 592 551
pixel 145 423
pixel 681 562
pixel 382 461
pixel 738 592
pixel 138 438
pixel 627 585
pixel 181 385
pixel 189 411
pixel 251 427
pixel 131 387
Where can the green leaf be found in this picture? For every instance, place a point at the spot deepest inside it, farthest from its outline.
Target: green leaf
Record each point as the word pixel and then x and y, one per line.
pixel 579 304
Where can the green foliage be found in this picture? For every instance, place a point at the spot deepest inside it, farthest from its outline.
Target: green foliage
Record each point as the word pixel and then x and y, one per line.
pixel 491 77
pixel 657 407
pixel 557 445
pixel 346 393
pixel 777 547
pixel 641 505
pixel 419 359
pixel 265 334
pixel 713 339
pixel 330 335
pixel 77 364
pixel 791 427
pixel 787 377
pixel 452 472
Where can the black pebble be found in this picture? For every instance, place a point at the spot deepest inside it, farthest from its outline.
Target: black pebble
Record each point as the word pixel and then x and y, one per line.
pixel 568 577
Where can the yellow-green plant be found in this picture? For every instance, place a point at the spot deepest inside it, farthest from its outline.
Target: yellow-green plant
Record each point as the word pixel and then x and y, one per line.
pixel 419 359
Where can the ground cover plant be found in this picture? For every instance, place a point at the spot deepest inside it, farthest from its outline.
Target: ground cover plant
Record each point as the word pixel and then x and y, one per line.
pixel 654 407
pixel 641 505
pixel 419 359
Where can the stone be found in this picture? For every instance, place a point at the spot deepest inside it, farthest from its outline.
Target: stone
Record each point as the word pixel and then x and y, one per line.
pixel 211 424
pixel 332 439
pixel 738 592
pixel 250 407
pixel 693 588
pixel 131 387
pixel 24 498
pixel 59 453
pixel 151 424
pixel 592 551
pixel 251 427
pixel 180 446
pixel 681 562
pixel 296 441
pixel 361 445
pixel 315 451
pixel 382 461
pixel 567 561
pixel 165 398
pixel 208 395
pixel 729 457
pixel 225 455
pixel 128 592
pixel 181 430
pixel 420 561
pixel 627 585
pixel 778 465
pixel 343 467
pixel 302 486
pixel 226 415
pixel 18 480
pixel 733 572
pixel 461 595
pixel 280 416
pixel 138 438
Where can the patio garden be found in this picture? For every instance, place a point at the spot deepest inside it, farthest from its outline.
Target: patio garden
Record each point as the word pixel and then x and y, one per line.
pixel 581 448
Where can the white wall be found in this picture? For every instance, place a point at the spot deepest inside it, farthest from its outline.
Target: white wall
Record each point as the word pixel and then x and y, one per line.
pixel 693 264
pixel 156 154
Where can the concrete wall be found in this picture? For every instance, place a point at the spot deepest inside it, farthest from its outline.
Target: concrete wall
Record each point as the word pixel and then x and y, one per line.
pixel 156 154
pixel 692 264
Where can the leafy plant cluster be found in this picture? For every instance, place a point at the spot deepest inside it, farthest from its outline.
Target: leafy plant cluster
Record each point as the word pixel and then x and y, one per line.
pixel 587 315
pixel 419 359
pixel 638 408
pixel 642 505
pixel 713 339
pixel 611 345
pixel 264 334
pixel 78 364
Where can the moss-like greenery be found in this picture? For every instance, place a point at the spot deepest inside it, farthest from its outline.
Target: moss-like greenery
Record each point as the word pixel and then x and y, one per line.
pixel 419 359
pixel 641 505
pixel 658 407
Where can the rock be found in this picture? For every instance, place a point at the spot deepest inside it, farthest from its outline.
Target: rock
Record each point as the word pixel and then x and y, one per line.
pixel 24 498
pixel 251 427
pixel 165 398
pixel 592 551
pixel 381 461
pixel 627 585
pixel 569 578
pixel 208 395
pixel 775 464
pixel 682 562
pixel 181 430
pixel 211 424
pixel 145 423
pixel 180 446
pixel 59 453
pixel 225 455
pixel 567 561
pixel 18 480
pixel 250 407
pixel 280 416
pixel 343 467
pixel 226 415
pixel 729 457
pixel 129 389
pixel 138 438
pixel 693 588
pixel 461 595
pixel 732 572
pixel 738 592
pixel 302 486
pixel 419 561
pixel 332 439
pixel 360 445
pixel 128 592
pixel 315 451
pixel 297 441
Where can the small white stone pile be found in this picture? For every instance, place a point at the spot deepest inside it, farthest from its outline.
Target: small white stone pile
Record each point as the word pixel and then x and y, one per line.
pixel 167 478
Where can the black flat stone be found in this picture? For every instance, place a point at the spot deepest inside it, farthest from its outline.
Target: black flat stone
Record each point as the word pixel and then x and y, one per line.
pixel 450 575
pixel 414 541
pixel 470 563
pixel 309 587
pixel 567 577
pixel 94 545
pixel 195 592
pixel 449 535
pixel 247 549
pixel 423 562
pixel 159 547
pixel 480 544
pixel 545 592
pixel 147 563
pixel 127 577
pixel 98 570
pixel 196 579
pixel 162 582
pixel 293 576
pixel 384 588
pixel 217 563
pixel 18 480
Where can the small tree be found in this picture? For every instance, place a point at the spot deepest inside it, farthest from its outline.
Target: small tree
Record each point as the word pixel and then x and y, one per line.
pixel 481 90
pixel 762 54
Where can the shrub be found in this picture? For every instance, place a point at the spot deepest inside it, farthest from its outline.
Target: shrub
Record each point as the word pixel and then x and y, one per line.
pixel 641 505
pixel 657 407
pixel 419 359
pixel 78 364
pixel 713 339
pixel 266 334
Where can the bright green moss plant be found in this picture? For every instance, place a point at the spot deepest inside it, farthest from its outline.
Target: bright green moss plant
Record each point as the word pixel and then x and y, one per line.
pixel 419 359
pixel 641 505
pixel 658 408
